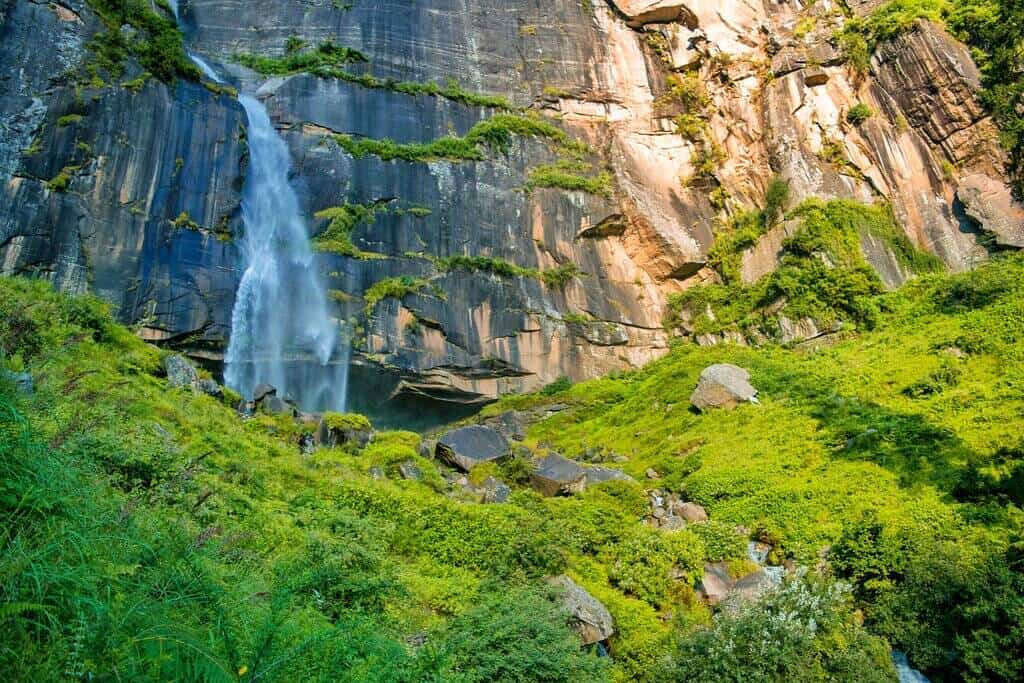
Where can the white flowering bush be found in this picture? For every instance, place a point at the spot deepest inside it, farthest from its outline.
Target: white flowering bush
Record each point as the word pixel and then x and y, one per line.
pixel 805 630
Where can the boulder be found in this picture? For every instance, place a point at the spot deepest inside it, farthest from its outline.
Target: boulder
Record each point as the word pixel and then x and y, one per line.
pixel 341 429
pixel 641 12
pixel 815 76
pixel 275 405
pixel 991 205
pixel 263 390
pixel 716 584
pixel 210 388
pixel 511 424
pixel 23 382
pixel 723 386
pixel 467 447
pixel 752 586
pixel 590 619
pixel 691 512
pixel 180 372
pixel 410 471
pixel 554 475
pixel 598 475
pixel 495 491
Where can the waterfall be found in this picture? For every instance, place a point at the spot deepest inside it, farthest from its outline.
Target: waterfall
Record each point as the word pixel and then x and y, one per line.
pixel 174 7
pixel 282 330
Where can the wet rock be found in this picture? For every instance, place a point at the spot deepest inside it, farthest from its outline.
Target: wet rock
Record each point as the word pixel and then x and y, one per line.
pixel 597 475
pixel 590 619
pixel 495 491
pixel 554 475
pixel 275 405
pixel 723 386
pixel 180 372
pixel 307 443
pixel 758 552
pixel 262 391
pixel 991 205
pixel 23 382
pixel 691 512
pixel 427 448
pixel 467 447
pixel 652 473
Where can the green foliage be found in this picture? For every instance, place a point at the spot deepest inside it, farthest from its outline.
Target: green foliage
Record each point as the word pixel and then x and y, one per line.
pixel 327 60
pixel 520 636
pixel 346 421
pixel 801 632
pixel 494 134
pixel 61 181
pixel 296 60
pixel 68 119
pixel 342 220
pixel 552 277
pixel 859 113
pixel 645 563
pixel 392 287
pixel 822 275
pixel 154 41
pixel 567 175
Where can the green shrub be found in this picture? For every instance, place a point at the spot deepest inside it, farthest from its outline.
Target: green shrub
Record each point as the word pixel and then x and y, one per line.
pixel 859 113
pixel 519 635
pixel 643 565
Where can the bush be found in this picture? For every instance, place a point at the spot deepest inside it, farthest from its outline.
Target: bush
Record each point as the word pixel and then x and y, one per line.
pixel 804 631
pixel 858 114
pixel 654 566
pixel 517 635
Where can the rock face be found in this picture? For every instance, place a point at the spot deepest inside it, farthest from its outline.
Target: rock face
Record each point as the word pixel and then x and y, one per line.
pixel 148 212
pixel 991 205
pixel 467 447
pixel 590 619
pixel 723 386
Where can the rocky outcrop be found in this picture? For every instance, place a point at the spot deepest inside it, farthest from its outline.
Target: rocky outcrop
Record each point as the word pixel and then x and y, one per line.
pixel 180 372
pixel 991 205
pixel 590 619
pixel 467 447
pixel 556 475
pixel 723 386
pixel 133 192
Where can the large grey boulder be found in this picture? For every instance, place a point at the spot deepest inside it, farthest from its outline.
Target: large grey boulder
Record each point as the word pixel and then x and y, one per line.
pixel 991 205
pixel 723 386
pixel 590 619
pixel 554 475
pixel 262 391
pixel 180 372
pixel 467 447
pixel 343 429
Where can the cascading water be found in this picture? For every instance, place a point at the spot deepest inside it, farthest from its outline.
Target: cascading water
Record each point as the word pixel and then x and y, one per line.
pixel 282 331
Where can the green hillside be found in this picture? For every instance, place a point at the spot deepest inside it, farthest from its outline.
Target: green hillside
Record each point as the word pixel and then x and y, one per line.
pixel 152 533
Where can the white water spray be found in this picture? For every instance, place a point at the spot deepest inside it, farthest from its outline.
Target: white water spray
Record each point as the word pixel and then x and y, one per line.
pixel 174 7
pixel 282 331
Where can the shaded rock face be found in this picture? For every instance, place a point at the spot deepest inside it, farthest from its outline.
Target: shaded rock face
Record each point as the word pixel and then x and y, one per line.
pixel 134 161
pixel 598 70
pixel 556 475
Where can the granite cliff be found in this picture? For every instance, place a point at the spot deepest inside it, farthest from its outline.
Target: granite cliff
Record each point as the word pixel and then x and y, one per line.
pixel 471 275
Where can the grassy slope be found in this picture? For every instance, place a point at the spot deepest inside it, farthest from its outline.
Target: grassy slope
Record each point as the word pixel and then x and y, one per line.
pixel 151 532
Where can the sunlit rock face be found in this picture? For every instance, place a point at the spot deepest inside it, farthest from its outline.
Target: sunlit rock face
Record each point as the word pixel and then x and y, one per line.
pixel 778 95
